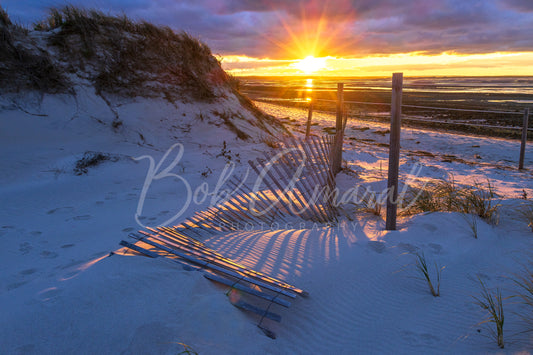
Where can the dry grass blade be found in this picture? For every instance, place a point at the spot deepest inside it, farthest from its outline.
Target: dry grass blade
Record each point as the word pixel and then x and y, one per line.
pixel 494 306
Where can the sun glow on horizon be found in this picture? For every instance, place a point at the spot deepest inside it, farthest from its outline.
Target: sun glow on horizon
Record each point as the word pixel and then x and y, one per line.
pixel 310 64
pixel 412 64
pixel 324 37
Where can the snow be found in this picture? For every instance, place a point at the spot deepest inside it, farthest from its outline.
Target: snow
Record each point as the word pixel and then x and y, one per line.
pixel 61 291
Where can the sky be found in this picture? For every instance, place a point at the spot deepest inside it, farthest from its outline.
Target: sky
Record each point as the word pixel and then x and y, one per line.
pixel 344 37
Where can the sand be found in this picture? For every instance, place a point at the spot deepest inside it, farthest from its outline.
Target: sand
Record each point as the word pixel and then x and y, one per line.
pixel 62 293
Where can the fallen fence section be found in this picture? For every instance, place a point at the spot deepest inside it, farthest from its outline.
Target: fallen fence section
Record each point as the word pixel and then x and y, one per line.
pixel 293 180
pixel 194 255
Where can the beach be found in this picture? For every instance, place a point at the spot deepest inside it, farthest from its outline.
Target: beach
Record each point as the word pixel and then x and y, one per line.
pixel 365 294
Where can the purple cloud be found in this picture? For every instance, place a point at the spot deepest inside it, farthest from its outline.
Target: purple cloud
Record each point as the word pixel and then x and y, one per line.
pixel 272 28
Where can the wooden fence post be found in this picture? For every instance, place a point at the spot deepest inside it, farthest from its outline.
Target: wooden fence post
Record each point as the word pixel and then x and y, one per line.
pixel 524 140
pixel 336 160
pixel 394 150
pixel 309 118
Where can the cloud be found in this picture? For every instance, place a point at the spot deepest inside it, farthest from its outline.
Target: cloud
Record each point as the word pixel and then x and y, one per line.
pixel 283 29
pixel 520 5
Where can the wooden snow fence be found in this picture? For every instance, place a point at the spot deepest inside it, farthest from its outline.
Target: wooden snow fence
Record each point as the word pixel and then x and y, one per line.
pixel 194 255
pixel 294 180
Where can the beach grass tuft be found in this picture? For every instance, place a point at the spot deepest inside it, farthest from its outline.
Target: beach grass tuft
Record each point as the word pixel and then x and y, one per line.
pixel 443 195
pixel 446 196
pixel 422 267
pixel 370 203
pixel 472 221
pixel 493 304
pixel 481 201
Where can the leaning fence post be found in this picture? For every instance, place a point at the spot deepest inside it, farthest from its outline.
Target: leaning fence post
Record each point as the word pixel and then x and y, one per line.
pixel 394 150
pixel 309 118
pixel 524 140
pixel 336 161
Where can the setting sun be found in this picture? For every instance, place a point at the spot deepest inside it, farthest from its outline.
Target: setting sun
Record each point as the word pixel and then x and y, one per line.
pixel 311 64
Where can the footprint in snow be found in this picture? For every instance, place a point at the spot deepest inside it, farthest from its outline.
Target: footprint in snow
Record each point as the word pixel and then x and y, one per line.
pixel 28 272
pixel 25 248
pixel 435 248
pixel 61 210
pixel 420 338
pixel 408 247
pixel 46 254
pixel 16 285
pixel 79 218
pixel 430 227
pixel 378 247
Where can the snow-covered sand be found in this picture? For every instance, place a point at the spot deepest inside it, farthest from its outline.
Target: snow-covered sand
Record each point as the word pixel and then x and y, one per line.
pixel 61 293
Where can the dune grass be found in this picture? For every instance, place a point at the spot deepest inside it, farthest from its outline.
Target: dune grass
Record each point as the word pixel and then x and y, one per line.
pixel 481 201
pixel 128 55
pixel 493 304
pixel 4 18
pixel 473 224
pixel 446 196
pixel 370 203
pixel 443 195
pixel 24 66
pixel 422 267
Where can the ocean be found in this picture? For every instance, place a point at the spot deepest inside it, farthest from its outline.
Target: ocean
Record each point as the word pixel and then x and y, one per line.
pixel 490 85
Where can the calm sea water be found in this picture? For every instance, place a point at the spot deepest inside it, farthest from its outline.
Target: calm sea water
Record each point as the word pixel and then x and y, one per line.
pixel 492 85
